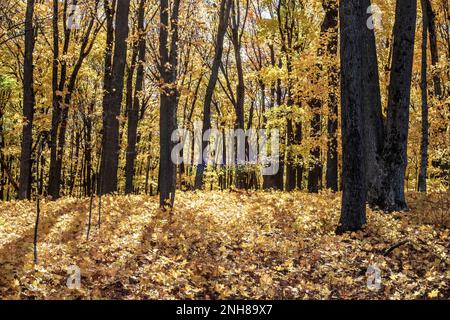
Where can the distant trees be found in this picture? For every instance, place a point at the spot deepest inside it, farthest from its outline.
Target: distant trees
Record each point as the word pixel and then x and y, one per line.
pixel 64 82
pixel 257 65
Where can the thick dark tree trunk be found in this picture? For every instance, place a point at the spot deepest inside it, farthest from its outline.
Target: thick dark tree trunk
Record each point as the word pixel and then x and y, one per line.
pixel 113 100
pixel 225 9
pixel 28 105
pixel 422 181
pixel 388 192
pixel 352 24
pixel 373 116
pixel 110 10
pixel 168 99
pixel 133 112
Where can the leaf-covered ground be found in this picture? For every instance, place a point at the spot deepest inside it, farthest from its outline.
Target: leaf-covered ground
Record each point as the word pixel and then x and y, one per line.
pixel 224 245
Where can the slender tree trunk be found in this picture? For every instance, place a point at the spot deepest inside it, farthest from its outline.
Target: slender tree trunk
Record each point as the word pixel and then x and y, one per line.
pixel 133 112
pixel 331 177
pixel 275 181
pixel 56 100
pixel 315 167
pixel 422 181
pixel 431 21
pixel 88 151
pixel 353 214
pixel 113 100
pixel 28 105
pixel 236 39
pixel 225 9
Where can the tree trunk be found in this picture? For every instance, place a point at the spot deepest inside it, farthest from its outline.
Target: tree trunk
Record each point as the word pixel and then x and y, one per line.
pixel 422 181
pixel 431 22
pixel 113 100
pixel 275 181
pixel 225 9
pixel 53 185
pixel 315 167
pixel 168 99
pixel 388 193
pixel 236 39
pixel 110 10
pixel 133 112
pixel 373 116
pixel 28 105
pixel 353 214
pixel 331 176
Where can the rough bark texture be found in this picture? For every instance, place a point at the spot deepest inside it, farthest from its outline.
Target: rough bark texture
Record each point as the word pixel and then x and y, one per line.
pixel 168 100
pixel 422 181
pixel 28 105
pixel 113 101
pixel 110 9
pixel 388 192
pixel 373 122
pixel 353 214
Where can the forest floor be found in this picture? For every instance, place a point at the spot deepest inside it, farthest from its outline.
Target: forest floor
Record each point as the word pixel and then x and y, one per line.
pixel 225 246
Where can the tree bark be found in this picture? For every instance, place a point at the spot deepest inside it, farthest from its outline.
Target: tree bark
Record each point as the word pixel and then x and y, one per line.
pixel 373 121
pixel 110 11
pixel 388 193
pixel 28 105
pixel 168 99
pixel 331 177
pixel 422 181
pixel 353 214
pixel 113 100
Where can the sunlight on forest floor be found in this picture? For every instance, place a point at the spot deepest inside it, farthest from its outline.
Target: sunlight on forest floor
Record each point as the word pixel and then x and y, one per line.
pixel 224 245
